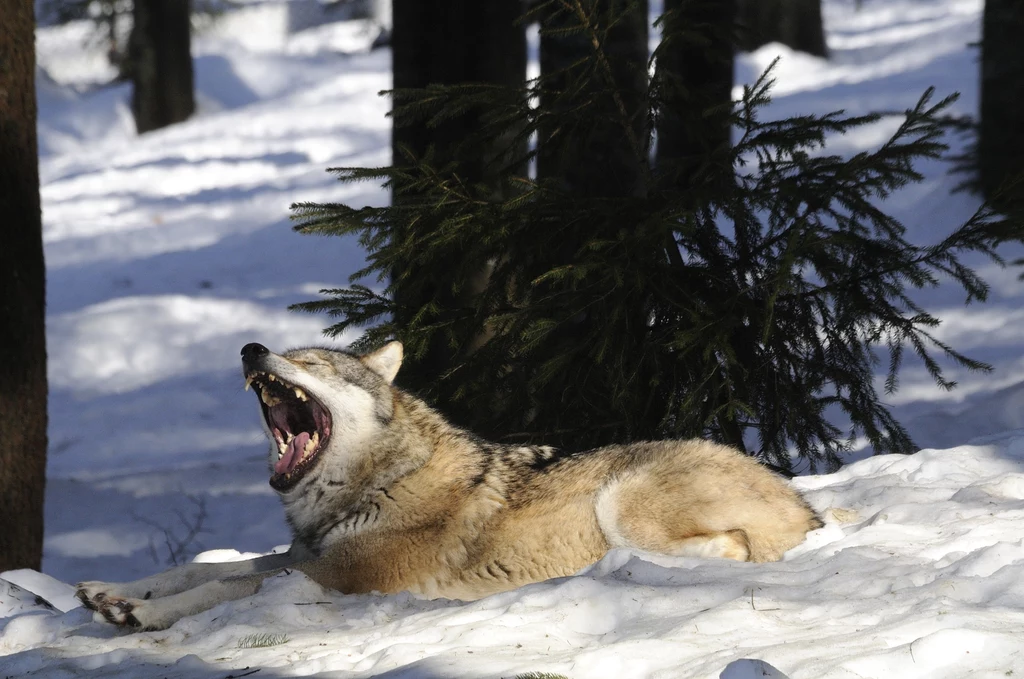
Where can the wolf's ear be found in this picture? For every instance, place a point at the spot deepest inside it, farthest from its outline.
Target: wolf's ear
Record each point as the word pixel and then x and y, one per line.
pixel 385 361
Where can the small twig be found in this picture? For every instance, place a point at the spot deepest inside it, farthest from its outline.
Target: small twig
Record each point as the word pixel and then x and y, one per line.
pixel 177 547
pixel 760 610
pixel 238 676
pixel 314 603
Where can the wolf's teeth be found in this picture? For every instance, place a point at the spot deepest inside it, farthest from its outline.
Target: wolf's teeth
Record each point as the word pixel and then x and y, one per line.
pixel 311 444
pixel 271 377
pixel 248 382
pixel 299 394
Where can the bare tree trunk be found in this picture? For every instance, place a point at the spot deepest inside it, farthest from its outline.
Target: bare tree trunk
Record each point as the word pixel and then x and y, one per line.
pixel 1001 133
pixel 22 298
pixel 794 23
pixel 160 56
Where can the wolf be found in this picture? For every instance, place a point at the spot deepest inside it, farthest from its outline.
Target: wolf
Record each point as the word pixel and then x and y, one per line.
pixel 383 494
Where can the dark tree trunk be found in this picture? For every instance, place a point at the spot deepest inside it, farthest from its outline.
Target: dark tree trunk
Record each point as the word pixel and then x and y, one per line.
pixel 1001 133
pixel 452 42
pixel 593 61
pixel 22 298
pixel 606 158
pixel 695 77
pixel 448 42
pixel 160 63
pixel 794 23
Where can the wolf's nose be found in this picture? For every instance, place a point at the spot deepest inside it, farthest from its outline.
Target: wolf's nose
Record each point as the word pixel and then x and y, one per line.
pixel 252 351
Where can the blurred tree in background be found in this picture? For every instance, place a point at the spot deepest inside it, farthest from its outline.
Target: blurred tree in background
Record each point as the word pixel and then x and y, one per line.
pixel 23 390
pixel 160 63
pixel 794 23
pixel 736 291
pixel 107 14
pixel 150 43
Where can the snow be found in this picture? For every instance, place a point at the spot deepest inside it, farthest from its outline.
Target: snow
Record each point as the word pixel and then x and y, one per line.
pixel 167 253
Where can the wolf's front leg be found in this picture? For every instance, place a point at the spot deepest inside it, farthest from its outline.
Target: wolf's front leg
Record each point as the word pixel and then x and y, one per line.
pixel 156 614
pixel 183 578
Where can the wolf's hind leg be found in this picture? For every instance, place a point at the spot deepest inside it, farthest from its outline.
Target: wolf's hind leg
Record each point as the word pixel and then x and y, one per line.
pixel 630 517
pixel 704 499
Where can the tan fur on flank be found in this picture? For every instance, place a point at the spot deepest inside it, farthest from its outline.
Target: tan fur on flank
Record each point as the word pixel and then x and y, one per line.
pixel 398 499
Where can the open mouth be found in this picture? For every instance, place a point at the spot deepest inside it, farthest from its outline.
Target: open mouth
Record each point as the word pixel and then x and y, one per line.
pixel 300 426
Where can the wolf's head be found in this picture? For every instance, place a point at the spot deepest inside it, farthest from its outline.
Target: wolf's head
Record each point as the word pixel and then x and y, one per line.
pixel 315 401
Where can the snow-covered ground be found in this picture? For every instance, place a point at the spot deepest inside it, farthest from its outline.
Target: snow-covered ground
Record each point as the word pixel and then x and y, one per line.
pixel 918 573
pixel 167 253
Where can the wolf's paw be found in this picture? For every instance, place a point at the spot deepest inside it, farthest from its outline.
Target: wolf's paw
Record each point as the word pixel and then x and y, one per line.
pixel 139 615
pixel 93 594
pixel 120 611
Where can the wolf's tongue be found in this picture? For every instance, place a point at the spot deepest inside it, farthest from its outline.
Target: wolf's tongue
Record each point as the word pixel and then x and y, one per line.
pixel 293 455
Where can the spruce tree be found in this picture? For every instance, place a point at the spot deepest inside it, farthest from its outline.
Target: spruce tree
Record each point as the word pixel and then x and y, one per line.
pixel 742 303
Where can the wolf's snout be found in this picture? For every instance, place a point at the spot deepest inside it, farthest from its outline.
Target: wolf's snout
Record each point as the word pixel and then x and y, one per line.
pixel 253 351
